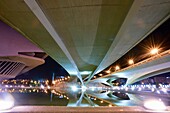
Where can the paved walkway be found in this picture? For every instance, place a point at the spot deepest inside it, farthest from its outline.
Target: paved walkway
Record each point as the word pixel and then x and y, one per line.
pixel 58 109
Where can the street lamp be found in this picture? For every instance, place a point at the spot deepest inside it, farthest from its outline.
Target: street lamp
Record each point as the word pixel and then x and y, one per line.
pixel 131 62
pixel 117 68
pixel 100 74
pixel 108 71
pixel 154 51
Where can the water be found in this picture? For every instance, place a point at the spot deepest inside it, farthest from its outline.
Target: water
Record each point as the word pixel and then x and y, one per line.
pixel 67 97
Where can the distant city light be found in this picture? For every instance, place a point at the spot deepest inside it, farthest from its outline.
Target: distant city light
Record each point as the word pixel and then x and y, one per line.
pixel 117 68
pixel 154 51
pixel 131 62
pixel 139 89
pixel 154 105
pixel 126 89
pixel 53 82
pixel 158 91
pixel 42 86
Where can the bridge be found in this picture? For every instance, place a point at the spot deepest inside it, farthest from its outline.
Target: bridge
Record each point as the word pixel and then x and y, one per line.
pixel 85 37
pixel 152 66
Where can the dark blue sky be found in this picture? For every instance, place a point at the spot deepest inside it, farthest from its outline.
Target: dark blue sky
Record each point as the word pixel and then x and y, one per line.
pixel 45 71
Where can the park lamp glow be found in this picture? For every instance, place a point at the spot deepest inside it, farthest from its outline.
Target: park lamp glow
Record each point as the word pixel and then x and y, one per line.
pixel 6 101
pixel 157 105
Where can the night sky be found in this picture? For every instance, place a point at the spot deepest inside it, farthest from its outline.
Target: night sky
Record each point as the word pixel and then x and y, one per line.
pixel 44 71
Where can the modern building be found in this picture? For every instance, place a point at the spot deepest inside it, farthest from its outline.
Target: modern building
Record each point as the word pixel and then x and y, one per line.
pixel 17 54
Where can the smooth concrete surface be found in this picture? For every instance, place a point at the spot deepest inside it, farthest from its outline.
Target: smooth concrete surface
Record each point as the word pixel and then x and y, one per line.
pixel 85 35
pixel 147 68
pixel 61 109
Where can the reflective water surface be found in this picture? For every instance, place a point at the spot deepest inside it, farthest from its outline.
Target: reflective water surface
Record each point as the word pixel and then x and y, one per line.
pixel 47 96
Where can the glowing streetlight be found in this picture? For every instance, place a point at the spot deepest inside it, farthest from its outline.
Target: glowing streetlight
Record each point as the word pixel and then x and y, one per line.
pixel 117 68
pixel 154 51
pixel 131 62
pixel 100 74
pixel 101 101
pixel 108 71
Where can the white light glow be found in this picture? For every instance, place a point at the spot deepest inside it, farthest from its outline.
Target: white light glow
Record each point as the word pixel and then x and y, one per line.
pixel 139 89
pixel 42 86
pixel 92 88
pixel 48 87
pixel 110 105
pixel 154 105
pixel 154 51
pixel 164 90
pixel 126 89
pixel 85 72
pixel 158 91
pixel 133 88
pixel 152 89
pixel 83 88
pixel 131 62
pixel 6 102
pixel 74 88
pixel 100 74
pixel 117 68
